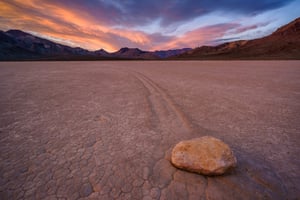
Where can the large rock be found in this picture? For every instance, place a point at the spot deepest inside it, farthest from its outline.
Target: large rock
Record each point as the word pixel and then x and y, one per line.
pixel 206 155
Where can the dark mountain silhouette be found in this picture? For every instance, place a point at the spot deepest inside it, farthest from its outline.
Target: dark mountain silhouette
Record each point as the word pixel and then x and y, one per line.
pixel 169 53
pixel 134 53
pixel 284 43
pixel 9 48
pixel 102 52
pixel 18 45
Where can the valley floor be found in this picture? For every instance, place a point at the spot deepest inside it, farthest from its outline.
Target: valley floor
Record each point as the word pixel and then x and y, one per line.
pixel 105 130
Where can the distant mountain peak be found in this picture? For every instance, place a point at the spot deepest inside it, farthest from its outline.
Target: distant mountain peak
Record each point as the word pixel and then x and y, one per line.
pixel 171 52
pixel 126 49
pixel 291 28
pixel 17 33
pixel 134 53
pixel 102 52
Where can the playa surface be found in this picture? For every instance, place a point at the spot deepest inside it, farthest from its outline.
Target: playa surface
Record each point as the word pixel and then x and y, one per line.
pixel 105 130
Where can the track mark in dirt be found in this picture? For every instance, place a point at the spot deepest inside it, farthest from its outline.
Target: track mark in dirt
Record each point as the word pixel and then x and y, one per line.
pixel 163 105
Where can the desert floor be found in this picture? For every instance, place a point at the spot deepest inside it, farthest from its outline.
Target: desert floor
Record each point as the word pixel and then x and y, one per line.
pixel 105 130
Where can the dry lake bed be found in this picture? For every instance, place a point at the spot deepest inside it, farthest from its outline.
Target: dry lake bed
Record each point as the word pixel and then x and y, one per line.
pixel 105 130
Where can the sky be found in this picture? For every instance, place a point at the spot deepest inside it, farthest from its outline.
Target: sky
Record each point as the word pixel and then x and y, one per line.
pixel 146 24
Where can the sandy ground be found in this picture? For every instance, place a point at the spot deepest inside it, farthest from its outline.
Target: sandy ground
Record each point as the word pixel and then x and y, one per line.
pixel 104 130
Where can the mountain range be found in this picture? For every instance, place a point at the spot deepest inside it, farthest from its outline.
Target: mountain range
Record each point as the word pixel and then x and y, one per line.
pixel 19 45
pixel 284 43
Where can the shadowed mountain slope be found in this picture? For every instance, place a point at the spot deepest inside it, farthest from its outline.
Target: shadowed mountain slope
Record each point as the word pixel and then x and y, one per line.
pixel 284 43
pixel 134 53
pixel 18 45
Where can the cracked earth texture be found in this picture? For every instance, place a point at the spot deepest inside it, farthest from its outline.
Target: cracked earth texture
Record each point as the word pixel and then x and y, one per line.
pixel 105 130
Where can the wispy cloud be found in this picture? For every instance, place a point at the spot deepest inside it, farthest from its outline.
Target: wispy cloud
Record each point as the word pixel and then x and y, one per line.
pixel 201 36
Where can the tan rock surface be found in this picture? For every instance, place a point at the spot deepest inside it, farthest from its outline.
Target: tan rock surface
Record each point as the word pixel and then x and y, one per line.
pixel 206 155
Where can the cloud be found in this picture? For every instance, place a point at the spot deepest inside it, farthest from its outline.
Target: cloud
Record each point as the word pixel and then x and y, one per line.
pixel 95 24
pixel 243 29
pixel 137 12
pixel 202 36
pixel 66 25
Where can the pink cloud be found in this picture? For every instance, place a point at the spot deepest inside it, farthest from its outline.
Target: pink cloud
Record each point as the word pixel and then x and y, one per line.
pixel 249 27
pixel 201 36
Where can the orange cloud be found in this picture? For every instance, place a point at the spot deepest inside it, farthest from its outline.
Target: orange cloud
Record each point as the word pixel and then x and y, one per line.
pixel 66 25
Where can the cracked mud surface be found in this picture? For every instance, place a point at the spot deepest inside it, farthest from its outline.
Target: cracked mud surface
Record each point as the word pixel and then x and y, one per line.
pixel 105 130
